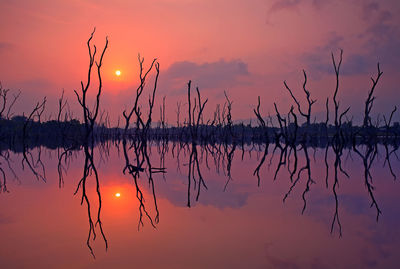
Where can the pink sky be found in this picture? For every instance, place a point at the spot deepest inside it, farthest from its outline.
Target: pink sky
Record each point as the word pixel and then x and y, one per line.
pixel 244 47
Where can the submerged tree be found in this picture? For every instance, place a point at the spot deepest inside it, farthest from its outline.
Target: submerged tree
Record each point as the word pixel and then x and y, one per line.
pixel 89 117
pixel 139 142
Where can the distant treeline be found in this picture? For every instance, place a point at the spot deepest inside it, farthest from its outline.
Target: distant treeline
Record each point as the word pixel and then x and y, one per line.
pixel 71 133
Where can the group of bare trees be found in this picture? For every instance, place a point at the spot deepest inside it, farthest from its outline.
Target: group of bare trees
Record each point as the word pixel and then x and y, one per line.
pixel 199 138
pixel 137 144
pixel 287 139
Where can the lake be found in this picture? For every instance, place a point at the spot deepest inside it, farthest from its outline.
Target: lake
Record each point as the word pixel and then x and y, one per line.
pixel 221 215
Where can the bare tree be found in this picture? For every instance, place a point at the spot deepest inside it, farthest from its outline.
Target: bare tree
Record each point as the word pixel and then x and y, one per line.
pixel 306 115
pixel 139 143
pixel 3 101
pixel 370 99
pixel 89 117
pixel 337 73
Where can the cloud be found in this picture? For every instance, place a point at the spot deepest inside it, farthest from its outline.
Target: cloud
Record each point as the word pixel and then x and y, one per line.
pixel 277 262
pixel 213 75
pixel 5 220
pixel 368 9
pixel 379 42
pixel 320 3
pixel 5 46
pixel 382 37
pixel 318 61
pixel 293 5
pixel 284 5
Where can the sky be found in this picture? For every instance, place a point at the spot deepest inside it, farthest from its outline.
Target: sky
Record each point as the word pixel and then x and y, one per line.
pixel 246 48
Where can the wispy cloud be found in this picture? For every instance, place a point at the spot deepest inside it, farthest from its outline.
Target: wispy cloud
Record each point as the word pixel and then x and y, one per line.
pixel 220 74
pixel 379 42
pixel 284 5
pixel 382 37
pixel 6 46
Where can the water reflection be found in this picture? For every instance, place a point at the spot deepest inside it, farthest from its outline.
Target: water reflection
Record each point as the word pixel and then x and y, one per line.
pixel 236 198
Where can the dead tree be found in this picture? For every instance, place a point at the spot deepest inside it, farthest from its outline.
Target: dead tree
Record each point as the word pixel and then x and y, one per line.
pixel 89 117
pixel 370 99
pixel 387 133
pixel 27 155
pixel 306 115
pixel 193 124
pixel 3 96
pixel 229 123
pixel 3 101
pixel 263 126
pixel 337 73
pixel 139 143
pixel 178 113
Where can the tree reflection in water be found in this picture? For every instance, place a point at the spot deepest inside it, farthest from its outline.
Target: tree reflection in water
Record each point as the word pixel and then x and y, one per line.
pixel 198 140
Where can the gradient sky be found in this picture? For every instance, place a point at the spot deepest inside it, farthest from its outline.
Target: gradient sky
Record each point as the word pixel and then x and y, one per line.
pixel 246 48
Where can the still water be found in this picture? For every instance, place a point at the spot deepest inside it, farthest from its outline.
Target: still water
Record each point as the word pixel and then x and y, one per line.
pixel 234 223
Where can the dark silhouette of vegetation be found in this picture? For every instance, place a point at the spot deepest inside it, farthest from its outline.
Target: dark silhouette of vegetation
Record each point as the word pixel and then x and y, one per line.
pixel 202 141
pixel 139 143
pixel 89 117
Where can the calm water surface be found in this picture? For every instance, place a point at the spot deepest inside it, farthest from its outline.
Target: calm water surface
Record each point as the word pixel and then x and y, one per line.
pixel 234 224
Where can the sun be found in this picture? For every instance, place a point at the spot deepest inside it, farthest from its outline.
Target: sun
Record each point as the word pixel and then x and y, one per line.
pixel 118 73
pixel 118 195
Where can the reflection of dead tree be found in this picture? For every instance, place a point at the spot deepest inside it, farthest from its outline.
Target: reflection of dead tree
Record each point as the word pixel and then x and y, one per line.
pixel 193 125
pixel 285 134
pixel 3 182
pixel 139 143
pixel 229 153
pixel 60 168
pixel 89 169
pixel 265 134
pixel 27 155
pixel 292 144
pixel 263 126
pixel 194 167
pixel 338 144
pixel 306 168
pixel 63 157
pixel 368 158
pixel 5 156
pixel 388 153
pixel 257 170
pixel 89 117
pixel 309 180
pixel 229 157
pixel 338 150
pixel 328 144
